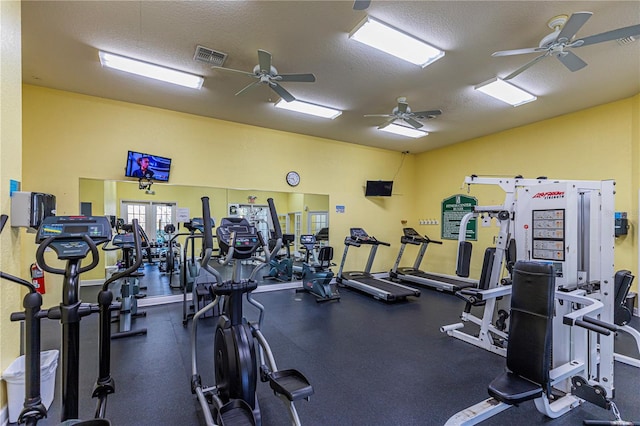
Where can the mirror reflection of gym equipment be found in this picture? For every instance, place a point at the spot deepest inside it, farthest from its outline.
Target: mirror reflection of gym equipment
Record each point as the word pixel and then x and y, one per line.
pixel 549 280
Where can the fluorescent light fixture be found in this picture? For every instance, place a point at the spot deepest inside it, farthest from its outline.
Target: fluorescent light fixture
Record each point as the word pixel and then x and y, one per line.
pixel 506 92
pixel 307 108
pixel 394 42
pixel 146 69
pixel 404 131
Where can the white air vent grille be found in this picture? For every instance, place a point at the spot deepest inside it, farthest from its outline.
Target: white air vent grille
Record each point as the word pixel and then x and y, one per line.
pixel 209 56
pixel 626 40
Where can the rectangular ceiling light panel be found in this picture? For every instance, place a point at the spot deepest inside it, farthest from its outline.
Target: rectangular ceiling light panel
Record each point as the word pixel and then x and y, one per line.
pixel 395 42
pixel 149 70
pixel 404 131
pixel 506 92
pixel 307 108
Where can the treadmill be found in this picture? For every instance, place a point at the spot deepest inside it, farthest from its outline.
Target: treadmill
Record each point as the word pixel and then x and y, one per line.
pixel 414 275
pixel 379 288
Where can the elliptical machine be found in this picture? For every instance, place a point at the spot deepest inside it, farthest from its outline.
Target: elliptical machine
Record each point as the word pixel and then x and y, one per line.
pixel 170 256
pixel 316 278
pixel 129 287
pixel 71 238
pixel 234 395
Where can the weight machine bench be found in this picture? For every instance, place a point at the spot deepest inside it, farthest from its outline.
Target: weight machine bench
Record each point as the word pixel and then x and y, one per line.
pixel 529 374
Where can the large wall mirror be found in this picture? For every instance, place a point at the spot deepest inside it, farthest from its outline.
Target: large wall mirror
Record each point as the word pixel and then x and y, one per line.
pixel 164 203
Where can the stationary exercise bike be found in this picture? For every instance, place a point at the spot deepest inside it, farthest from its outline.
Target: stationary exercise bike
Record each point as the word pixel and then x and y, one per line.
pixel 281 267
pixel 233 396
pixel 71 238
pixel 316 279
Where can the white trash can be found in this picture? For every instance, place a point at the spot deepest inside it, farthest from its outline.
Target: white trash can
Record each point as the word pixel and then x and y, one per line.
pixel 14 375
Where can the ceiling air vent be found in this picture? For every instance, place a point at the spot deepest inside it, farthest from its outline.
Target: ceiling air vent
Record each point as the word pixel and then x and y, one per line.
pixel 626 40
pixel 209 56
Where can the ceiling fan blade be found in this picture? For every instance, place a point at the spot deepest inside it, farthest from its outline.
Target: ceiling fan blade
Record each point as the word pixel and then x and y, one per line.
pixel 415 123
pixel 299 78
pixel 518 51
pixel 264 60
pixel 361 4
pixel 386 123
pixel 573 25
pixel 571 61
pixel 282 92
pixel 249 87
pixel 380 115
pixel 402 107
pixel 426 114
pixel 250 74
pixel 524 67
pixel 632 31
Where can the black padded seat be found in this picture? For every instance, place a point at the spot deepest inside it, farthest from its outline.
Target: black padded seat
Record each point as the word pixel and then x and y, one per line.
pixel 513 389
pixel 530 335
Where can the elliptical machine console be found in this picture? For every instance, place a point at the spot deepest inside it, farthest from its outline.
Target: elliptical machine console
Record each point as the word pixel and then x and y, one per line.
pixel 234 396
pixel 238 233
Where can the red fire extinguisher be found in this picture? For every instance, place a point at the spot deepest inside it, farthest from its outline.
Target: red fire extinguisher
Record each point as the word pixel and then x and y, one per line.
pixel 37 278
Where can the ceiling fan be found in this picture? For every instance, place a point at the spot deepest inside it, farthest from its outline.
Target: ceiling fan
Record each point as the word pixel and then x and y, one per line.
pixel 266 73
pixel 562 39
pixel 403 112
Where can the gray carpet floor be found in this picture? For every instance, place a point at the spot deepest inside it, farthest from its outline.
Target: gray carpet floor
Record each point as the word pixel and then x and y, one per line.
pixel 370 363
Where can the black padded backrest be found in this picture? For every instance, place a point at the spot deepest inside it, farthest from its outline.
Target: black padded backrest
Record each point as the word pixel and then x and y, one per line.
pixel 530 329
pixel 325 256
pixel 487 266
pixel 464 259
pixel 622 283
pixel 510 255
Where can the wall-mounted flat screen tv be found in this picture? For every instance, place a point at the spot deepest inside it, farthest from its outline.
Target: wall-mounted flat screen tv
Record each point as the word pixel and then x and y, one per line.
pixel 378 188
pixel 141 165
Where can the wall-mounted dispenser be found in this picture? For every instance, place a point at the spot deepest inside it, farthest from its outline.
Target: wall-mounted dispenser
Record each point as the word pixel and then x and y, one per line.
pixel 28 209
pixel 621 224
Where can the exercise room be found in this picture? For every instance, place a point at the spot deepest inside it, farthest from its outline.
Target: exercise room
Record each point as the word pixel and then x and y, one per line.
pixel 260 213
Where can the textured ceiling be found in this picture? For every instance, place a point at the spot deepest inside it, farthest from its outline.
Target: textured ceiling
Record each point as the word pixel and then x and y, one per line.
pixel 61 41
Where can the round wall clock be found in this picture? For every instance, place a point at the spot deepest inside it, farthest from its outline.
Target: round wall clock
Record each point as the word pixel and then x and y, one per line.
pixel 293 178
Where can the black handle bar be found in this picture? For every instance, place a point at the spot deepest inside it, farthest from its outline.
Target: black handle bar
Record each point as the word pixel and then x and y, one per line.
pixel 602 324
pixel 9 277
pixel 592 327
pixel 274 218
pixel 46 243
pixel 206 221
pixel 3 221
pixel 127 272
pixel 30 286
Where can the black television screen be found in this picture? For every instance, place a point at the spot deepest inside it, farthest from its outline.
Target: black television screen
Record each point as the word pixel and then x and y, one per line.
pixel 140 165
pixel 378 188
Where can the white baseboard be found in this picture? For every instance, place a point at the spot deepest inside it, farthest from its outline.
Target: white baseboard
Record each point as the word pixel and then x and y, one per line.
pixel 89 283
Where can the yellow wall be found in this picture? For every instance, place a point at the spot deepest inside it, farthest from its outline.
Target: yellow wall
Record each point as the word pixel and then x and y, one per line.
pixel 594 144
pixel 68 136
pixel 10 168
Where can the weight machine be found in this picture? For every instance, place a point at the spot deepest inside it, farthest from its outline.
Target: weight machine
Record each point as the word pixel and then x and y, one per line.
pixel 568 226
